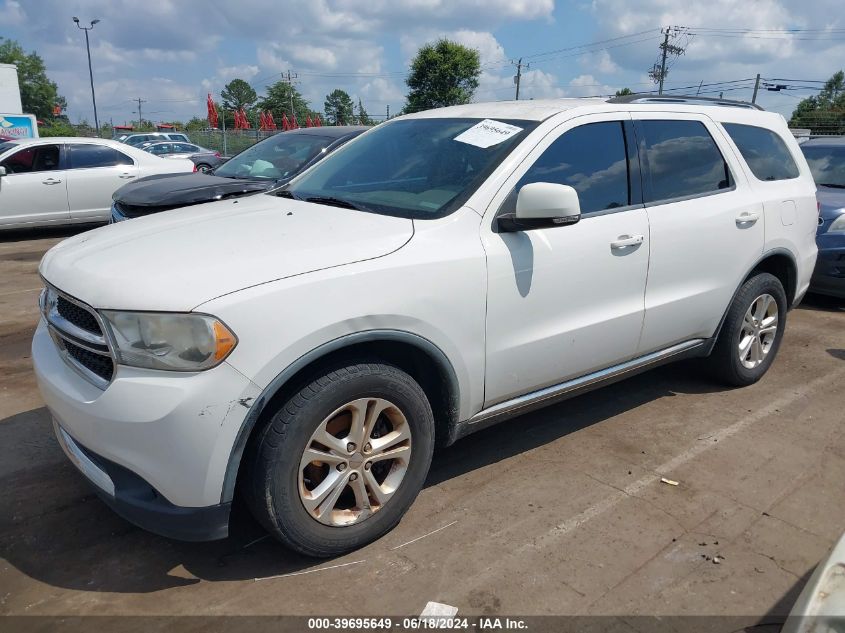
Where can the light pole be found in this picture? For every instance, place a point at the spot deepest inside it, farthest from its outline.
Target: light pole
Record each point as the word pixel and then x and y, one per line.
pixel 90 72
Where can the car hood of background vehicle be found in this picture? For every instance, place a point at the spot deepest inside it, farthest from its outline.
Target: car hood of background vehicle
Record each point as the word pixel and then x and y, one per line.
pixel 174 190
pixel 832 200
pixel 178 260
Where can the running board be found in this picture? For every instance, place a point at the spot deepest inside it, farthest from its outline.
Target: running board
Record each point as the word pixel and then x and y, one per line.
pixel 549 395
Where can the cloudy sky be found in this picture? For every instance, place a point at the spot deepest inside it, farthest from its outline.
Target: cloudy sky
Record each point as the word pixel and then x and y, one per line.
pixel 173 52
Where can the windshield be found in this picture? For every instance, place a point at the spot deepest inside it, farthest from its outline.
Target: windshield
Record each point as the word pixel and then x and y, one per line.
pixel 7 145
pixel 277 157
pixel 827 164
pixel 415 168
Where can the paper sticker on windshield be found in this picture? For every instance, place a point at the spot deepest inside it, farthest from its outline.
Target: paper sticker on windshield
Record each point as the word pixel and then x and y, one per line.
pixel 487 133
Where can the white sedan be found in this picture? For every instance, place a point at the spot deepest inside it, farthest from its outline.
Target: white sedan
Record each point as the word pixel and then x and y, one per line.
pixel 47 181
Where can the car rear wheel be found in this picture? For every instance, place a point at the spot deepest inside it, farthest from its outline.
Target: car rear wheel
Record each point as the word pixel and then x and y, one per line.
pixel 203 168
pixel 752 332
pixel 340 462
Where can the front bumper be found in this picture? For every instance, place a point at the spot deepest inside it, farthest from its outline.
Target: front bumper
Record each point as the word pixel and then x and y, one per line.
pixel 138 502
pixel 163 439
pixel 829 273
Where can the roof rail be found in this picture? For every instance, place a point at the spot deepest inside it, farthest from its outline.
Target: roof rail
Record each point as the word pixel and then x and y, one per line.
pixel 681 99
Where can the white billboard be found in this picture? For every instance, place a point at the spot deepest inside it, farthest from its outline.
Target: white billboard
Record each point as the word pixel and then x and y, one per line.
pixel 10 93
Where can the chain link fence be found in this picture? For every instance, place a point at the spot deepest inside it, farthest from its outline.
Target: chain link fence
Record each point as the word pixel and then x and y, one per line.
pixel 229 142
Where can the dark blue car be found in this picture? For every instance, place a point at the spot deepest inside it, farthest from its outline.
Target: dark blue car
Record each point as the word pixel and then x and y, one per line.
pixel 827 162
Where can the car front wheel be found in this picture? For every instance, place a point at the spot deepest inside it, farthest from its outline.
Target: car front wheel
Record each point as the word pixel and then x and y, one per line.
pixel 340 462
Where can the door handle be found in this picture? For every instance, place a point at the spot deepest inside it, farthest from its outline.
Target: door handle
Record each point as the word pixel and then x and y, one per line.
pixel 51 181
pixel 626 241
pixel 124 176
pixel 747 217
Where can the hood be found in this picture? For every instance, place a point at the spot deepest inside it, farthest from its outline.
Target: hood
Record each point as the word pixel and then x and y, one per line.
pixel 177 261
pixel 832 200
pixel 175 190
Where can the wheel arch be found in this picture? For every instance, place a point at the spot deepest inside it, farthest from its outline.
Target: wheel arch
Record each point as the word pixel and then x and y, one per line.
pixel 420 358
pixel 779 262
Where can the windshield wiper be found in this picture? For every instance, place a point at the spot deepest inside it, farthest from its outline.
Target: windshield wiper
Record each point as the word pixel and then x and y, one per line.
pixel 831 184
pixel 334 202
pixel 284 193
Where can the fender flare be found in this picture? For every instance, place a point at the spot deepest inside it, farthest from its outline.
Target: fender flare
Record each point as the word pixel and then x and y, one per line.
pixel 711 343
pixel 260 403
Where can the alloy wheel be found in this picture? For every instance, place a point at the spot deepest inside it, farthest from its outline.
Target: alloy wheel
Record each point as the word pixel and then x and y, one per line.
pixel 354 461
pixel 759 329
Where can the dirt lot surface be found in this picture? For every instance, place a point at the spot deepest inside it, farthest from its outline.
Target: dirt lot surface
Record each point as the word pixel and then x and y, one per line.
pixel 558 512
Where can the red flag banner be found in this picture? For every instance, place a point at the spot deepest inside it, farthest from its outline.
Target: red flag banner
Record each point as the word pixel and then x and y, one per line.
pixel 285 122
pixel 317 122
pixel 212 112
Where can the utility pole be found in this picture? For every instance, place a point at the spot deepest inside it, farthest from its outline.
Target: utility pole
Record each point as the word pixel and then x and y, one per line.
pixel 225 148
pixel 665 47
pixel 90 71
pixel 140 119
pixel 518 76
pixel 756 88
pixel 659 71
pixel 290 79
pixel 388 112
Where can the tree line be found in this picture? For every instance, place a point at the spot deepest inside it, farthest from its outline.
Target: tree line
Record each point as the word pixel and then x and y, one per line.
pixel 442 73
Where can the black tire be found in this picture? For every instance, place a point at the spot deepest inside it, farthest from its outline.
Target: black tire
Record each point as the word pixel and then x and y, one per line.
pixel 725 363
pixel 271 485
pixel 203 168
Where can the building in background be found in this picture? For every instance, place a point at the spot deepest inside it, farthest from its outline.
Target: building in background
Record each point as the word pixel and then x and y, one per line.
pixel 13 122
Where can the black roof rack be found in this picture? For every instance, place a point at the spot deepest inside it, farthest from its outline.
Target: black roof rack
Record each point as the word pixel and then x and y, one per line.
pixel 681 99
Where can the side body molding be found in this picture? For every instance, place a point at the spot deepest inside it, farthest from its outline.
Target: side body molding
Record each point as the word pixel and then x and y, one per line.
pixel 258 405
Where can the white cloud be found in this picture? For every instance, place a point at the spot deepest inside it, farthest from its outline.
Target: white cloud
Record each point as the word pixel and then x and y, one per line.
pixel 600 62
pixel 11 13
pixel 243 71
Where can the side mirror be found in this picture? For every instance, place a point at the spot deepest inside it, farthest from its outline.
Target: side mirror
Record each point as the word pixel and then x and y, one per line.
pixel 541 205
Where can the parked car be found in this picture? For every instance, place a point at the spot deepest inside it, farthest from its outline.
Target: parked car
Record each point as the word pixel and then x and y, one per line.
pixel 204 159
pixel 826 158
pixel 266 165
pixel 138 138
pixel 443 272
pixel 69 180
pixel 821 604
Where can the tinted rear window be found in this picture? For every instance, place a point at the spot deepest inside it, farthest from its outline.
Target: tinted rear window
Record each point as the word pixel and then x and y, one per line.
pixel 683 160
pixel 764 151
pixel 85 156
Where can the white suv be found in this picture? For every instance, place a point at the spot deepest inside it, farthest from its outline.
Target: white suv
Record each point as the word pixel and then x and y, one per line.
pixel 442 272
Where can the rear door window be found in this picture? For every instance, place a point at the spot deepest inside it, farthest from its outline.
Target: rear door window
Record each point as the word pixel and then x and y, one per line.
pixel 85 156
pixel 764 151
pixel 682 160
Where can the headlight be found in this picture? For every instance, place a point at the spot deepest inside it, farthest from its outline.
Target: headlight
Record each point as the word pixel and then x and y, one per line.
pixel 161 340
pixel 838 224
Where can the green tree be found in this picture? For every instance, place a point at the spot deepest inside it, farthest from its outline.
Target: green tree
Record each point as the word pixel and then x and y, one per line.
pixel 38 93
pixel 363 117
pixel 442 74
pixel 196 124
pixel 57 127
pixel 278 101
pixel 823 113
pixel 339 107
pixel 238 94
pixel 624 92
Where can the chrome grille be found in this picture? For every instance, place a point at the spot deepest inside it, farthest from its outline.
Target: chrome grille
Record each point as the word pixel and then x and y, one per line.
pixel 79 334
